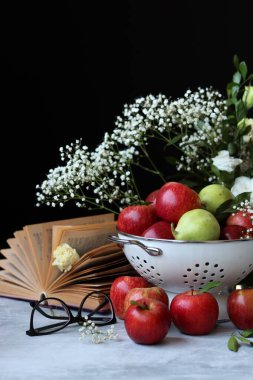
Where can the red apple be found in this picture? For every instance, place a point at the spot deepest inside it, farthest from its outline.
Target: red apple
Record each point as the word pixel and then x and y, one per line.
pixel 159 230
pixel 233 232
pixel 241 218
pixel 148 321
pixel 136 219
pixel 119 289
pixel 240 308
pixel 152 197
pixel 174 199
pixel 154 292
pixel 194 314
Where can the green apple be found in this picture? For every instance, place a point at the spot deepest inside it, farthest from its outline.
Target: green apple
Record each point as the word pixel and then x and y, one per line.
pixel 197 225
pixel 212 196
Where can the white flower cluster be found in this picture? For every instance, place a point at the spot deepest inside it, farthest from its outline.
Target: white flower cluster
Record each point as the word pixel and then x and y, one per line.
pixel 105 177
pixel 201 116
pixel 89 329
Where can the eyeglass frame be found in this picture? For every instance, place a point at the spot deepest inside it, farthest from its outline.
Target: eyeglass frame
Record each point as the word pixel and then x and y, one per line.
pixel 71 318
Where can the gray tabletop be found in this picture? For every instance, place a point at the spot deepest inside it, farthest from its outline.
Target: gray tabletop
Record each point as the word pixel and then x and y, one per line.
pixel 63 356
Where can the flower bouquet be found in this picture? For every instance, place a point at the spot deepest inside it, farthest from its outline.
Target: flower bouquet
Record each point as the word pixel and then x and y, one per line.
pixel 198 139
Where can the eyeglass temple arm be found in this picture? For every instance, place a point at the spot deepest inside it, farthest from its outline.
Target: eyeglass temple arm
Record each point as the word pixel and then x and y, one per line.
pixel 98 308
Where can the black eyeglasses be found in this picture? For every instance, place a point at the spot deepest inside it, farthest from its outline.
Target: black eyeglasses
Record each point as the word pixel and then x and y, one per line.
pixel 61 314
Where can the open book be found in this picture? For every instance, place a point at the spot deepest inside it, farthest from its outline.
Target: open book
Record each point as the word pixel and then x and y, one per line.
pixel 28 272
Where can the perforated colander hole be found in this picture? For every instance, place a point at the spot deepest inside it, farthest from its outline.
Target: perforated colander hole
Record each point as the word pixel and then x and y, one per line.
pixel 203 278
pixel 205 271
pixel 213 274
pixel 141 265
pixel 216 265
pixel 158 274
pixel 197 265
pixel 137 257
pixel 160 281
pixel 152 276
pixel 184 275
pixel 207 263
pixel 221 270
pixel 148 270
pixel 188 269
pixel 222 276
pixel 133 258
pixel 196 274
pixel 250 265
pixel 195 280
pixel 244 272
pixel 185 282
pixel 152 267
pixel 145 261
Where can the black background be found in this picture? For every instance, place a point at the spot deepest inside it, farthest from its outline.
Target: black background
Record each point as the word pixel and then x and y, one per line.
pixel 68 68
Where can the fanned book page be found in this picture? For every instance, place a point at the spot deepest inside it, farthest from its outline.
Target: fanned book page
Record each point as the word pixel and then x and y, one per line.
pixel 27 268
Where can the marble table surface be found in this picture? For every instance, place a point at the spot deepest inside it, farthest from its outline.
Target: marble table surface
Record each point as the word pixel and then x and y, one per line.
pixel 63 356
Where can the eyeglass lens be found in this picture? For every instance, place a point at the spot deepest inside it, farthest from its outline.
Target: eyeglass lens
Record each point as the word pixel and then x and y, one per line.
pixel 97 308
pixel 50 315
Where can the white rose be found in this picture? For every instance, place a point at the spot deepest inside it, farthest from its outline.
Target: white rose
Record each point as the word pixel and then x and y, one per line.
pixel 64 257
pixel 243 185
pixel 223 161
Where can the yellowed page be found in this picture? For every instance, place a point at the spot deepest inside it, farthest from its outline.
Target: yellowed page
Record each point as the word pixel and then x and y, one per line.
pixel 47 229
pixel 24 259
pixel 12 258
pixel 22 245
pixel 83 238
pixel 34 238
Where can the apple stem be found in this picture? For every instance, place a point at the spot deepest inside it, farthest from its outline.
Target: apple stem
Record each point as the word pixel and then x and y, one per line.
pixel 142 306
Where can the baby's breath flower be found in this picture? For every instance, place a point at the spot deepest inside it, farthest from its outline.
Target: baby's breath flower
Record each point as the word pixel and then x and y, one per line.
pixel 96 335
pixel 203 136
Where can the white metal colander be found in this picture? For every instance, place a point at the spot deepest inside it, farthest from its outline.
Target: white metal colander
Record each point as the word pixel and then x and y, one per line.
pixel 177 266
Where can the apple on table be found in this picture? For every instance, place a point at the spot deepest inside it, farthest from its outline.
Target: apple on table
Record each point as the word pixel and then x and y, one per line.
pixel 154 292
pixel 240 308
pixel 147 321
pixel 194 313
pixel 119 289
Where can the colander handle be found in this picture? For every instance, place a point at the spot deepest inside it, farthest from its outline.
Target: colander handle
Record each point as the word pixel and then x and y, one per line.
pixel 152 251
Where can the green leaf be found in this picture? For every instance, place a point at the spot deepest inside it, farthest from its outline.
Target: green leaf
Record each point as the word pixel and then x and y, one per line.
pixel 245 340
pixel 250 77
pixel 241 111
pixel 233 344
pixel 174 140
pixel 237 77
pixel 215 170
pixel 235 90
pixel 247 333
pixel 243 69
pixel 236 61
pixel 210 285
